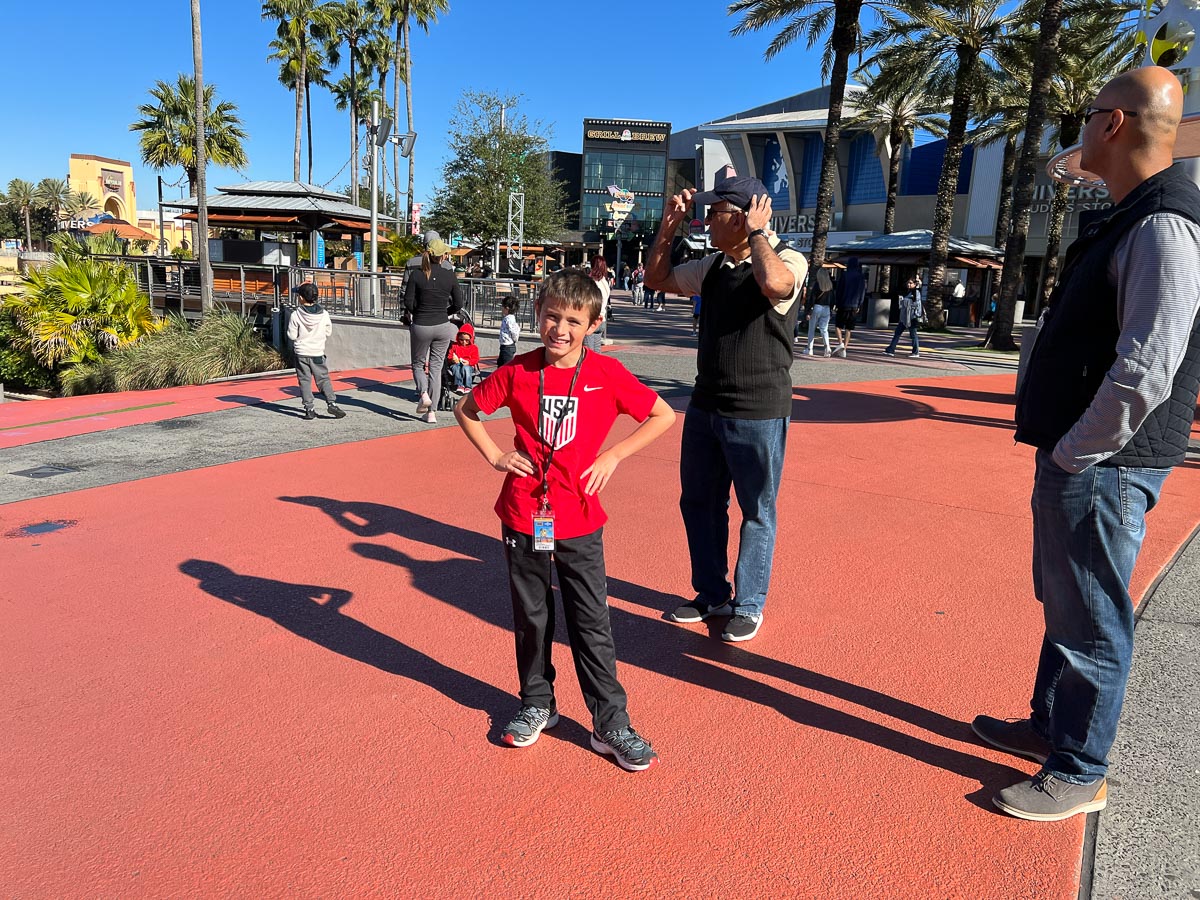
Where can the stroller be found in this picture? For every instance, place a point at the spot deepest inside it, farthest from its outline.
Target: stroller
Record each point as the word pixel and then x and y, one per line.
pixel 448 397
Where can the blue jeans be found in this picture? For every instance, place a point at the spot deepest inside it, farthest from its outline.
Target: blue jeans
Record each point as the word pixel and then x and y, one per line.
pixel 716 453
pixel 463 374
pixel 1087 532
pixel 916 343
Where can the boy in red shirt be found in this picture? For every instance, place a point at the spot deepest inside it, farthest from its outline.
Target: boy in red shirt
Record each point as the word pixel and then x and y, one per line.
pixel 564 401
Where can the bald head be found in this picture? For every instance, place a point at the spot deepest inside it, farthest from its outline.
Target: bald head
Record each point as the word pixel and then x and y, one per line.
pixel 1154 93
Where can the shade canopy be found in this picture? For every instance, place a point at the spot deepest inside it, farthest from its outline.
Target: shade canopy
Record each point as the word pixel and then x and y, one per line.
pixel 282 205
pixel 914 247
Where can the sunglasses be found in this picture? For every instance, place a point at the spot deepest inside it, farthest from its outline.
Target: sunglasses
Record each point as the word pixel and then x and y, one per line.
pixel 717 212
pixel 1092 110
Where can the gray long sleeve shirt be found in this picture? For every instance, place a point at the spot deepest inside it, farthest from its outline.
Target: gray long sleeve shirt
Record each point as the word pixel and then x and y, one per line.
pixel 1156 268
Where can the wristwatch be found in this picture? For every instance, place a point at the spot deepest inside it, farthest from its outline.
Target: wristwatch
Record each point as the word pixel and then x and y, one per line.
pixel 761 231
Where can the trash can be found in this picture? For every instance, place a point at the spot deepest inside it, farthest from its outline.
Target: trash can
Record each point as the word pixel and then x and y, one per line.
pixel 879 311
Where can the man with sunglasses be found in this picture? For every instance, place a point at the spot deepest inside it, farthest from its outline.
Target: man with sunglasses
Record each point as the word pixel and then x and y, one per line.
pixel 1108 401
pixel 735 429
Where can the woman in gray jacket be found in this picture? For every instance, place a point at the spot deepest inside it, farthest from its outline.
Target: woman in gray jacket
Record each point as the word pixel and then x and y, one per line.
pixel 431 295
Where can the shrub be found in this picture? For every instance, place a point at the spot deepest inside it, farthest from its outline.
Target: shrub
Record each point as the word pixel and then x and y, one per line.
pixel 223 344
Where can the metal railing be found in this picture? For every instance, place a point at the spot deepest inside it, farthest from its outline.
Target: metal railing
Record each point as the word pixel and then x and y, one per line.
pixel 174 287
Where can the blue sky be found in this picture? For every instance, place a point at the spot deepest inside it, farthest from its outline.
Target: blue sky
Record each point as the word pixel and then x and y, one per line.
pixel 76 90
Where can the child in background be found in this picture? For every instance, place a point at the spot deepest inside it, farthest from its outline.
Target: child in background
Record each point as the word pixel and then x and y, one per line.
pixel 510 330
pixel 564 400
pixel 308 327
pixel 463 358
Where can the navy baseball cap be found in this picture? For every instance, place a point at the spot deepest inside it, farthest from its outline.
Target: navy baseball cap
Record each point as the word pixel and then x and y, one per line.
pixel 738 190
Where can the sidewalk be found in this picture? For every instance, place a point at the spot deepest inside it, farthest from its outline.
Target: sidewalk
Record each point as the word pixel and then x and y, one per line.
pixel 286 674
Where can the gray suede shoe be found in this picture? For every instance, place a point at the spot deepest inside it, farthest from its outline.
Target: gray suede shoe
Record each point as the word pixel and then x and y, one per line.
pixel 1012 736
pixel 1045 798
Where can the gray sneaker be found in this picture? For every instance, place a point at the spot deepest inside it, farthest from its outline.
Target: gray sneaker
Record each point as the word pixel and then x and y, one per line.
pixel 632 751
pixel 527 724
pixel 698 611
pixel 1012 736
pixel 742 628
pixel 1045 798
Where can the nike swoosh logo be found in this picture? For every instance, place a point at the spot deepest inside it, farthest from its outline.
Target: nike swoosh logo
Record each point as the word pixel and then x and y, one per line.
pixel 588 390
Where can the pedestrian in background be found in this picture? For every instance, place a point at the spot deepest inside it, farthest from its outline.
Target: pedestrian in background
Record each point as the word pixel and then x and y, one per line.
pixel 911 310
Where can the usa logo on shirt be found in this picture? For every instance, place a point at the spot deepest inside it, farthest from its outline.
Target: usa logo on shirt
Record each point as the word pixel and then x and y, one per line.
pixel 552 409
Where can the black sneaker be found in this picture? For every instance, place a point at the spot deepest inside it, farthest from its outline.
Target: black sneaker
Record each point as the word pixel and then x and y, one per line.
pixel 1012 736
pixel 310 414
pixel 889 352
pixel 632 751
pixel 527 724
pixel 742 628
pixel 337 412
pixel 698 611
pixel 1045 798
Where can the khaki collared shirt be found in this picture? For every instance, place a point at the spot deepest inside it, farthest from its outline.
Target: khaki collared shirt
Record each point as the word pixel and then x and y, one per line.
pixel 689 276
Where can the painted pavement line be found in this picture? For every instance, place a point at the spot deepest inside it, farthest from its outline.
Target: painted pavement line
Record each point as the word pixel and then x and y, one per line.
pixel 95 415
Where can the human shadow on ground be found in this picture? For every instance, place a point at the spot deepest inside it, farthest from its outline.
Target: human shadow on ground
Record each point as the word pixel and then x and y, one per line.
pixel 930 390
pixel 315 613
pixel 290 411
pixel 830 405
pixel 652 643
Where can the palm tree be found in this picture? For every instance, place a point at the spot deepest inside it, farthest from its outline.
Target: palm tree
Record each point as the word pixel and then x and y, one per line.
pixel 52 194
pixel 812 18
pixel 22 196
pixel 169 132
pixel 303 27
pixel 952 43
pixel 402 14
pixel 81 205
pixel 348 95
pixel 893 116
pixel 200 160
pixel 1089 56
pixel 1000 112
pixel 78 307
pixel 353 24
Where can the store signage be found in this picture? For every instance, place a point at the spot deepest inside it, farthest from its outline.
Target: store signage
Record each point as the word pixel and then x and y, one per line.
pixel 789 224
pixel 648 137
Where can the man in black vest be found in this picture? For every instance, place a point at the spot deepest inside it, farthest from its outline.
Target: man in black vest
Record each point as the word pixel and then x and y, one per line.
pixel 735 430
pixel 1108 400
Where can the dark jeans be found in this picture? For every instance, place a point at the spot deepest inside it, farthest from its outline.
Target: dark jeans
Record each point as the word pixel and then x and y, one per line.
pixel 718 452
pixel 1087 532
pixel 507 352
pixel 308 370
pixel 912 330
pixel 584 588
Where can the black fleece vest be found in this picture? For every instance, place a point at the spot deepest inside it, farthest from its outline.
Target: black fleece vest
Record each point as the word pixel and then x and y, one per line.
pixel 744 358
pixel 1078 341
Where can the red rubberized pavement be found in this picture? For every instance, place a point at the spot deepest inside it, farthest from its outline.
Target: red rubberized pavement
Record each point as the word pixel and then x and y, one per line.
pixel 44 420
pixel 287 676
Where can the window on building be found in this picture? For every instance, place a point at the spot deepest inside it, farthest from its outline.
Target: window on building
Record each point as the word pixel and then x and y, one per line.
pixel 866 174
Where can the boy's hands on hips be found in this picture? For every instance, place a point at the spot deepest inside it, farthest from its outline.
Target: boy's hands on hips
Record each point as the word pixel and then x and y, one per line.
pixel 514 461
pixel 600 471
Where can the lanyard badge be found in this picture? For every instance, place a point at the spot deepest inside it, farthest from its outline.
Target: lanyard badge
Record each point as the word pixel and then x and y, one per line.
pixel 543 522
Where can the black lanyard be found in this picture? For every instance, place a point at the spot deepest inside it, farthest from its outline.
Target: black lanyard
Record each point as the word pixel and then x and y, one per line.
pixel 558 421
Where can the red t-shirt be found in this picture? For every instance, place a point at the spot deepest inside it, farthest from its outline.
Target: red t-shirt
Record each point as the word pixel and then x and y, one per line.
pixel 603 390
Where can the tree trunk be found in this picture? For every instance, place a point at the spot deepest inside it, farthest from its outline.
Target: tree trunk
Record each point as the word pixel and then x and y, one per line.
pixel 1044 62
pixel 896 139
pixel 28 231
pixel 308 121
pixel 412 155
pixel 845 29
pixel 396 112
pixel 299 114
pixel 1004 215
pixel 206 299
pixel 943 212
pixel 1069 128
pixel 353 131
